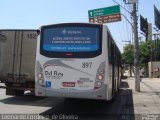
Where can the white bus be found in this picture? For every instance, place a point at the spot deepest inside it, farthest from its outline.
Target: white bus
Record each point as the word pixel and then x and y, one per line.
pixel 77 60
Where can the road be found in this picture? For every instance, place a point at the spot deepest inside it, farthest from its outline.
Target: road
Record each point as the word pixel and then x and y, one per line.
pixel 54 108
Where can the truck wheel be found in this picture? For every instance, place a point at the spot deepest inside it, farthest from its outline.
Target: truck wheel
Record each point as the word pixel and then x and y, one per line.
pixel 19 92
pixel 9 91
pixel 33 91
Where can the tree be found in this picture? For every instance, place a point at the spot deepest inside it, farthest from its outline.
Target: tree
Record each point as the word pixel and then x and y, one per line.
pixel 128 56
pixel 145 53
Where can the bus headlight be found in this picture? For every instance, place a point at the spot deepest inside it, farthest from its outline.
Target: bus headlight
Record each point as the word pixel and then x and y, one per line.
pixel 41 82
pixel 40 75
pixel 100 76
pixel 99 83
pixel 40 79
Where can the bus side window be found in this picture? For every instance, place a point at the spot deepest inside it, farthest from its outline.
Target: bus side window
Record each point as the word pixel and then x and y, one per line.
pixel 109 48
pixel 112 53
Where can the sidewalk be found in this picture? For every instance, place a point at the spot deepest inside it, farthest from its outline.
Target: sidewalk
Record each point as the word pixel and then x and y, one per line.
pixel 147 101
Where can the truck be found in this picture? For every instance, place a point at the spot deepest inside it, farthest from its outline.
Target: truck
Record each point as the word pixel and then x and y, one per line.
pixel 17 60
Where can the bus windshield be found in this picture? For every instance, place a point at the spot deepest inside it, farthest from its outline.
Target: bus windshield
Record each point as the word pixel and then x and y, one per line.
pixel 71 39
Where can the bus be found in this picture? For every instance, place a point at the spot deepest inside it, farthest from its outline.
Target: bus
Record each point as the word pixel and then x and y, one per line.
pixel 77 60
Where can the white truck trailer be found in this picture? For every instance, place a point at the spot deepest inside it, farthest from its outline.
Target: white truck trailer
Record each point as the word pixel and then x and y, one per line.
pixel 17 60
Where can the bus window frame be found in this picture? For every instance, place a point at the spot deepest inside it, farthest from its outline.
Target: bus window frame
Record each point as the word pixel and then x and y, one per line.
pixel 54 54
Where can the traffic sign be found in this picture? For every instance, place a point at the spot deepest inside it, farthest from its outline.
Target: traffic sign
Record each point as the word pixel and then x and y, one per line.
pixel 104 11
pixel 106 19
pixel 105 15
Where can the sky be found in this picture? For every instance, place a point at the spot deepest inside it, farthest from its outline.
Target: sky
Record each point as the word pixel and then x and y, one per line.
pixel 31 14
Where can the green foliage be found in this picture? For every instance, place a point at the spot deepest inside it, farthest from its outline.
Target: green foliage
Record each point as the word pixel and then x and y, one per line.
pixel 128 55
pixel 145 51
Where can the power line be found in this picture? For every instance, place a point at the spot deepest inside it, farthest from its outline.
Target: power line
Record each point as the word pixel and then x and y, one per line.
pixel 126 23
pixel 122 6
pixel 119 31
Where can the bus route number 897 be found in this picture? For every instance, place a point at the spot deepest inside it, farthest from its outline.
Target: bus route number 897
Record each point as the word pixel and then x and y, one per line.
pixel 86 64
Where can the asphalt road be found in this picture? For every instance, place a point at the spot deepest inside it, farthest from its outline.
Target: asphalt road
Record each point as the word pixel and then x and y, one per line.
pixel 60 108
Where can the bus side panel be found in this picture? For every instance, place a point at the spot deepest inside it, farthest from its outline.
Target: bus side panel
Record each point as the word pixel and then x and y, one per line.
pixel 39 89
pixel 103 92
pixel 111 73
pixel 114 58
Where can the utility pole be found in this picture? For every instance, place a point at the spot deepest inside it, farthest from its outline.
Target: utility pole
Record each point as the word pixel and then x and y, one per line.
pixel 136 48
